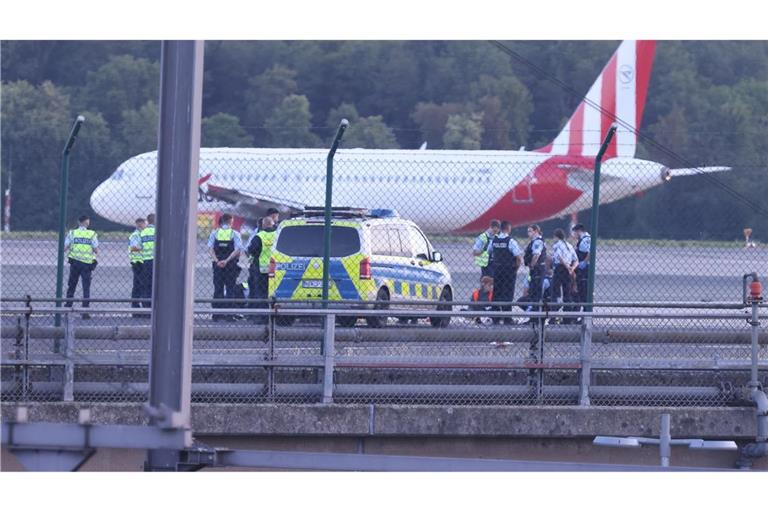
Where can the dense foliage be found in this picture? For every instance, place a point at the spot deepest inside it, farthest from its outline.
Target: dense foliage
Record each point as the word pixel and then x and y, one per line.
pixel 708 103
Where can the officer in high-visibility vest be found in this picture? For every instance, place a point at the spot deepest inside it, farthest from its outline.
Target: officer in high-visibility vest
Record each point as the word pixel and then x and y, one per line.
pixel 148 260
pixel 583 246
pixel 224 246
pixel 136 257
pixel 259 252
pixel 81 246
pixel 272 213
pixel 480 249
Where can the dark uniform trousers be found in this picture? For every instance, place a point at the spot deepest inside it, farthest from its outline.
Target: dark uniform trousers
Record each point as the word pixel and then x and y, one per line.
pixel 146 282
pixel 561 283
pixel 258 288
pixel 137 290
pixel 582 276
pixel 224 282
pixel 537 274
pixel 504 288
pixel 487 270
pixel 79 270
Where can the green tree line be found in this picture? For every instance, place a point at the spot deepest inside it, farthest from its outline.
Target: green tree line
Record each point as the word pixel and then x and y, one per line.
pixel 708 102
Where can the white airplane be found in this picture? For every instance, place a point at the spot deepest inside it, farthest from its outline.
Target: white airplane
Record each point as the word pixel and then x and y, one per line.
pixel 440 190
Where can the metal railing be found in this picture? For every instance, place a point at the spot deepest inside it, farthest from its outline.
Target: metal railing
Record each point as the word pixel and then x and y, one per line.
pixel 677 356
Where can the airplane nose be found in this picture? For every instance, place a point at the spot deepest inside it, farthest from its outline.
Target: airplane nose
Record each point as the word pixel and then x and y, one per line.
pixel 99 200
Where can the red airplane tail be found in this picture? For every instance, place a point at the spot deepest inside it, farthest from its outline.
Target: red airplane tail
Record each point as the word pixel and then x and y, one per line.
pixel 618 95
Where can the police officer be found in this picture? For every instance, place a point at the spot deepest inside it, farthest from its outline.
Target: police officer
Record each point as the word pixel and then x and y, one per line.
pixel 272 213
pixel 535 259
pixel 505 254
pixel 260 251
pixel 224 246
pixel 81 246
pixel 480 249
pixel 148 260
pixel 564 261
pixel 583 243
pixel 136 257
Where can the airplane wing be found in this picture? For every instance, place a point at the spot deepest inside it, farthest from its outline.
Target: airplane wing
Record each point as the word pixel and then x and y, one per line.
pixel 250 205
pixel 696 170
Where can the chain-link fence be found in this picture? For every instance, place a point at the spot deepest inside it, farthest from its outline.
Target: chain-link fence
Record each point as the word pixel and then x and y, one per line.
pixel 449 196
pixel 679 357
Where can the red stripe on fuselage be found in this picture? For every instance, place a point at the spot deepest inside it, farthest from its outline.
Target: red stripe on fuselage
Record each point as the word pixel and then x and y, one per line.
pixel 549 192
pixel 608 104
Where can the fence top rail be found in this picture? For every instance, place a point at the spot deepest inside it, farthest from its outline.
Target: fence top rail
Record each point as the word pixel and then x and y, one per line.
pixel 317 312
pixel 284 303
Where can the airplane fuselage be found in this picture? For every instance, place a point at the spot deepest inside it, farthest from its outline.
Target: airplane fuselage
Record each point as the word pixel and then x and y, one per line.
pixel 440 190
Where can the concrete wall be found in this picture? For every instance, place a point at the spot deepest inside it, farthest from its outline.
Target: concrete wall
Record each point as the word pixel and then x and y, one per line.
pixel 521 433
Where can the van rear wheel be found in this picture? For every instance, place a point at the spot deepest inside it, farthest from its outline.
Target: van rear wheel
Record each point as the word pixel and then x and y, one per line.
pixel 443 321
pixel 382 302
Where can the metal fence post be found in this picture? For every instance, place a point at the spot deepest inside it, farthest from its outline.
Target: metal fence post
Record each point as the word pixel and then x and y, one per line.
pixel 271 355
pixel 665 438
pixel 586 361
pixel 328 206
pixel 25 370
pixel 328 355
pixel 19 354
pixel 595 215
pixel 63 190
pixel 178 160
pixel 69 351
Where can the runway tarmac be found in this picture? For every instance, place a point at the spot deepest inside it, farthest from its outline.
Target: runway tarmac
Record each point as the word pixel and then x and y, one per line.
pixel 631 273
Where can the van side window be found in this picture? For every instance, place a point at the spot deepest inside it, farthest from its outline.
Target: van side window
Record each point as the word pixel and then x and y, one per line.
pixel 398 248
pixel 405 242
pixel 419 246
pixel 380 241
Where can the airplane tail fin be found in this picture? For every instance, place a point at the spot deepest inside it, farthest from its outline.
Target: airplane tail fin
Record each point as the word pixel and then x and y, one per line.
pixel 620 93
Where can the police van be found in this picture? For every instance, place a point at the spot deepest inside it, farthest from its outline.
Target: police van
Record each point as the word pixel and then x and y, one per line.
pixel 375 256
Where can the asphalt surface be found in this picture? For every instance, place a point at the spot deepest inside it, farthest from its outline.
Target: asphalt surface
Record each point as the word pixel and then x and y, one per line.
pixel 632 273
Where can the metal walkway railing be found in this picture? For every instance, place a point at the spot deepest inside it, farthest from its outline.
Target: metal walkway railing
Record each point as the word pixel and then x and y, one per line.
pixel 630 354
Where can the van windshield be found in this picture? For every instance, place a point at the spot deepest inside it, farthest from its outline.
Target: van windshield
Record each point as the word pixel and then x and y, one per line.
pixel 307 241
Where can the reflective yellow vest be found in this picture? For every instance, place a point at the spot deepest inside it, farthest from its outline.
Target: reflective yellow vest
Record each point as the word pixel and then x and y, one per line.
pixel 267 241
pixel 82 245
pixel 482 260
pixel 148 243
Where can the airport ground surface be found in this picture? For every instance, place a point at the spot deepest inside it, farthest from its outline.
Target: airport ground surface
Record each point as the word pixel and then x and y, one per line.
pixel 643 273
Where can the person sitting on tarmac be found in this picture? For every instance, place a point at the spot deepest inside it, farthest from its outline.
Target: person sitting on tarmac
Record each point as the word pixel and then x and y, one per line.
pixel 482 294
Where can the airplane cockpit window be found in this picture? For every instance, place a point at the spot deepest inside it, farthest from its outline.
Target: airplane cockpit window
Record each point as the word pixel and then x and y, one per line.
pixel 118 174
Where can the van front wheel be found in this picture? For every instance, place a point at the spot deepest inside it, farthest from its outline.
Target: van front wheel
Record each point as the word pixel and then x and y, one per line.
pixel 382 302
pixel 443 321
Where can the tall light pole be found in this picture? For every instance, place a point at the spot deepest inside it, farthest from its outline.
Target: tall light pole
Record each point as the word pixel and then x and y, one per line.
pixel 63 189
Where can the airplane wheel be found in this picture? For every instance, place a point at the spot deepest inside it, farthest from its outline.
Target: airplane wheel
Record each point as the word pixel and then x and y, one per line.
pixel 382 302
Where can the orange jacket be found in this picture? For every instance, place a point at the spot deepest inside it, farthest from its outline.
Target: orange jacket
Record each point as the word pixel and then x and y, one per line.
pixel 476 296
